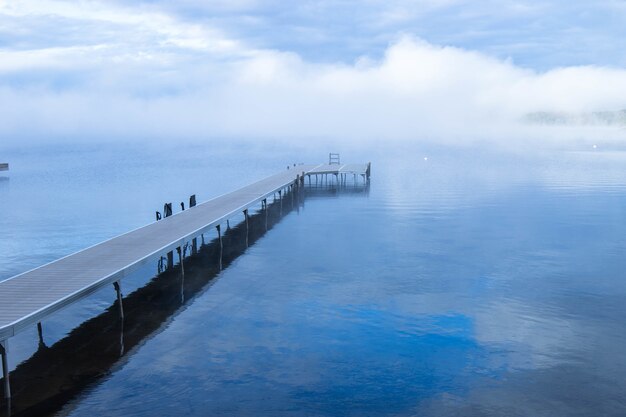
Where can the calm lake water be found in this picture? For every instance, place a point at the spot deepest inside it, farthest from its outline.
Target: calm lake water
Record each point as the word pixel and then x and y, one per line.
pixel 463 282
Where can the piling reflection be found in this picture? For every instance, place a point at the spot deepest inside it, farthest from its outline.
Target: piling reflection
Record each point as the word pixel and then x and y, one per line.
pixel 55 374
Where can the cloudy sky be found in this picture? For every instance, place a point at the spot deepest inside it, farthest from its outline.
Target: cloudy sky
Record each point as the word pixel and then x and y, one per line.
pixel 325 69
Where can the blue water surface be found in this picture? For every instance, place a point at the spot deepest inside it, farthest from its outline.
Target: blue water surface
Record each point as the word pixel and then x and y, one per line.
pixel 465 282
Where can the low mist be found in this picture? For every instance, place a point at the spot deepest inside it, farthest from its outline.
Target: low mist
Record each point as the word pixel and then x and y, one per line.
pixel 172 81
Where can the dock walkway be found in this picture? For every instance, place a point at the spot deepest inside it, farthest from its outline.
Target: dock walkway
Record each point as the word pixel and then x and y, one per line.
pixel 28 298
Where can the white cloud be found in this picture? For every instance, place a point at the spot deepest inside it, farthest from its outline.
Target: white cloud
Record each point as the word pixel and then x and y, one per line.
pixel 149 74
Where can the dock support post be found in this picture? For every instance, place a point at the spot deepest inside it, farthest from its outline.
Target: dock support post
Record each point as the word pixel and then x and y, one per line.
pixel 170 260
pixel 40 334
pixel 4 350
pixel 219 236
pixel 180 258
pixel 245 213
pixel 280 197
pixel 118 290
pixel 122 348
pixel 182 272
pixel 265 209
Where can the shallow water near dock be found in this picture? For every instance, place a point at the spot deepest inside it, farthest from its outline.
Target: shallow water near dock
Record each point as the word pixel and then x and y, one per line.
pixel 461 282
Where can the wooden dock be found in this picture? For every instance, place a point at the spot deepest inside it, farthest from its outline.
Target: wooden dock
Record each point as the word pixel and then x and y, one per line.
pixel 28 298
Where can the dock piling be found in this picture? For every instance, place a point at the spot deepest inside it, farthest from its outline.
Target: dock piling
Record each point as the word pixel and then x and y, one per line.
pixel 170 260
pixel 182 282
pixel 219 236
pixel 245 213
pixel 4 351
pixel 265 209
pixel 40 334
pixel 118 290
pixel 181 256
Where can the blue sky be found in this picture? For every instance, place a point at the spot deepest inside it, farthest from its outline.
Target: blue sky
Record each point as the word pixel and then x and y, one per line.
pixel 535 34
pixel 328 68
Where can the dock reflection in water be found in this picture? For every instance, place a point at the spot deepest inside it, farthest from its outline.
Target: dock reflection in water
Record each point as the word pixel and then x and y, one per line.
pixel 55 374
